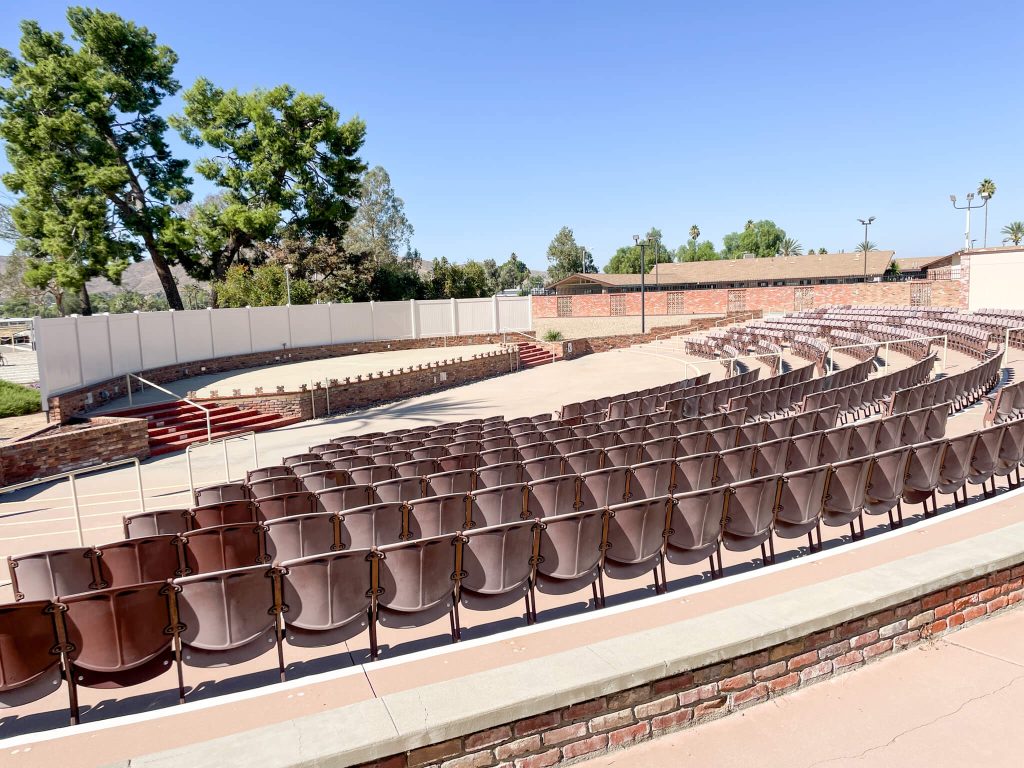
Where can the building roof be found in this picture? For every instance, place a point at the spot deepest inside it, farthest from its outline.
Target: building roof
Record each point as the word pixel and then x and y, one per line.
pixel 811 266
pixel 922 262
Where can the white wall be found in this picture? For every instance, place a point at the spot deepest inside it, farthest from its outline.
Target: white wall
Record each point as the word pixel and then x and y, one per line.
pixel 996 280
pixel 76 351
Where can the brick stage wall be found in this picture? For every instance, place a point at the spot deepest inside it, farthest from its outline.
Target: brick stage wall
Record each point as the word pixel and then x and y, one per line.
pixel 381 387
pixel 944 293
pixel 78 401
pixel 105 439
pixel 592 727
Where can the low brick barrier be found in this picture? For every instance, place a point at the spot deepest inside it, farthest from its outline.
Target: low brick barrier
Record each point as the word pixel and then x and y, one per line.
pixel 601 724
pixel 51 453
pixel 381 387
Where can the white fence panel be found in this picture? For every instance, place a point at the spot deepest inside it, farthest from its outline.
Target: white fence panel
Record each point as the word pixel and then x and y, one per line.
pixel 475 315
pixel 269 328
pixel 351 322
pixel 192 337
pixel 514 314
pixel 94 344
pixel 57 354
pixel 157 332
pixel 392 320
pixel 311 324
pixel 125 350
pixel 230 332
pixel 434 318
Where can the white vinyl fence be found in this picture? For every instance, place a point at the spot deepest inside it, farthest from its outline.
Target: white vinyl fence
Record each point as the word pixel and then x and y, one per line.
pixel 77 351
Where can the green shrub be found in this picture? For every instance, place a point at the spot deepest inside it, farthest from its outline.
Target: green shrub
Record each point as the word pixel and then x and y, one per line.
pixel 552 335
pixel 16 400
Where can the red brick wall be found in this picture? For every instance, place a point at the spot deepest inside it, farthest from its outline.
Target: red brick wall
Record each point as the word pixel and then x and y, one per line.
pixel 637 714
pixel 362 392
pixel 78 401
pixel 945 293
pixel 105 439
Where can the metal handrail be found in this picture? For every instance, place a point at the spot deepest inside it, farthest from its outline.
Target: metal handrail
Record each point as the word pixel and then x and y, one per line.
pixel 128 378
pixel 945 349
pixel 227 467
pixel 533 340
pixel 71 477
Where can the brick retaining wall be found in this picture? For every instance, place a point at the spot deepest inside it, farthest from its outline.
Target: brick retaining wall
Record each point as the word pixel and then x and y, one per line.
pixel 79 401
pixel 588 728
pixel 787 298
pixel 381 387
pixel 105 439
pixel 579 347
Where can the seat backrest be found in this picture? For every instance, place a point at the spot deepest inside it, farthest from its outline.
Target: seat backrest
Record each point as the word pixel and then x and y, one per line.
pixel 225 611
pixel 846 485
pixel 399 489
pixel 373 473
pixel 262 473
pixel 890 432
pixel 697 517
pixel 751 506
pixel 770 458
pixel 301 536
pixel 864 437
pixel 735 465
pixel 499 474
pixel 372 525
pixel 135 561
pixel 328 478
pixel 416 576
pixel 496 559
pixel 299 458
pixel 326 591
pixel 141 524
pixel 272 486
pixel 29 660
pixel 835 445
pixel 54 573
pixel 223 547
pixel 636 529
pixel 925 465
pixel 604 487
pixel 803 451
pixel 802 495
pixel 417 467
pixel 454 481
pixel 215 494
pixel 286 504
pixel 497 505
pixel 652 479
pixel 587 460
pixel 223 513
pixel 956 459
pixel 571 544
pixel 496 456
pixel 438 515
pixel 344 497
pixel 542 467
pixel 351 462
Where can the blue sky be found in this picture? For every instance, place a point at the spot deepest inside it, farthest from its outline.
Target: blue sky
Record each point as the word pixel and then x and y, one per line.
pixel 501 122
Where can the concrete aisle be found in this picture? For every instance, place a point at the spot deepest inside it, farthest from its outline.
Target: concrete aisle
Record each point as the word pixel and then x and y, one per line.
pixel 952 702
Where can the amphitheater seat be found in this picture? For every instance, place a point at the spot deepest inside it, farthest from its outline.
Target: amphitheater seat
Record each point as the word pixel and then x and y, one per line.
pixel 58 572
pixel 272 486
pixel 695 527
pixel 328 597
pixel 570 552
pixel 417 584
pixel 223 547
pixel 159 521
pixel 438 515
pixel 223 513
pixel 636 538
pixel 30 662
pixel 288 538
pixel 498 504
pixel 497 566
pixel 215 494
pixel 135 561
pixel 372 525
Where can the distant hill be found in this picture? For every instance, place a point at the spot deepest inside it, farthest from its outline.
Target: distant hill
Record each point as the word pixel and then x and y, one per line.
pixel 140 277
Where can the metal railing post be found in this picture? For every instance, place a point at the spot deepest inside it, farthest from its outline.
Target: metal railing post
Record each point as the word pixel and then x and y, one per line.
pixel 128 381
pixel 78 511
pixel 227 466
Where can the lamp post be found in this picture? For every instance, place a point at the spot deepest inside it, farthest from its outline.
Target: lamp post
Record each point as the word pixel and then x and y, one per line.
pixel 643 285
pixel 288 282
pixel 968 208
pixel 867 223
pixel 583 259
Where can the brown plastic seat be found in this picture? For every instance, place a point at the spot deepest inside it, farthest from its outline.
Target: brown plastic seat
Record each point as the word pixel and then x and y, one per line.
pixel 864 437
pixel 286 505
pixel 552 496
pixel 890 432
pixel 923 473
pixel 453 481
pixel 604 488
pixel 542 467
pixel 501 439
pixel 136 561
pixel 571 445
pixel 459 461
pixel 223 547
pixel 499 474
pixel 844 501
pixel 299 458
pixel 587 460
pixel 736 465
pixel 938 417
pixel 497 505
pixel 1011 451
pixel 604 440
pixel 272 486
pixel 30 663
pixel 328 478
pixel 352 462
pixel 660 448
pixel 118 637
pixel 399 489
pixel 438 515
pixel 652 479
pixel 985 458
pixel 750 512
pixel 418 467
pixel 223 513
pixel 328 597
pixel 770 458
pixel 372 473
pixel 344 497
pixel 956 466
pixel 623 454
pixel 373 525
pixel 308 467
pixel 215 494
pixel 57 572
pixel 262 473
pixel 695 472
pixel 801 501
pixel 536 450
pixel 636 539
pixel 288 538
pixel 497 566
pixel 775 429
pixel 227 617
pixel 417 583
pixel 803 451
pixel 723 439
pixel 571 547
pixel 695 527
pixel 835 445
pixel 914 428
pixel 159 521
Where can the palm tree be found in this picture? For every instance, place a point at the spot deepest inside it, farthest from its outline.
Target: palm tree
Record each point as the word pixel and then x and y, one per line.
pixel 694 234
pixel 1014 231
pixel 822 251
pixel 865 247
pixel 791 247
pixel 986 189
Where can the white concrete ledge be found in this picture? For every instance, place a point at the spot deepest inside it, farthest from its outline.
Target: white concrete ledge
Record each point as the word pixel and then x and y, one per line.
pixel 414 718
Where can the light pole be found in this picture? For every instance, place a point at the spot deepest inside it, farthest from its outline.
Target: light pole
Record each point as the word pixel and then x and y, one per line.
pixel 583 259
pixel 288 282
pixel 867 223
pixel 643 285
pixel 968 208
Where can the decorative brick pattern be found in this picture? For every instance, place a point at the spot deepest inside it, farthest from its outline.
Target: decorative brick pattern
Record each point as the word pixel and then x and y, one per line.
pixel 624 718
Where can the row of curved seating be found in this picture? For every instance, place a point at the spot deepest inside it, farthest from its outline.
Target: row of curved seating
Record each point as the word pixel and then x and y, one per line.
pixel 962 389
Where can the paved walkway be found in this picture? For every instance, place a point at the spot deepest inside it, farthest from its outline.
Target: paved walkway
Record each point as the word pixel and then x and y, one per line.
pixel 952 702
pixel 19 365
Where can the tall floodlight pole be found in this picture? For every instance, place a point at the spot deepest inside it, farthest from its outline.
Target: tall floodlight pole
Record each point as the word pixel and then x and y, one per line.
pixel 643 285
pixel 867 223
pixel 968 208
